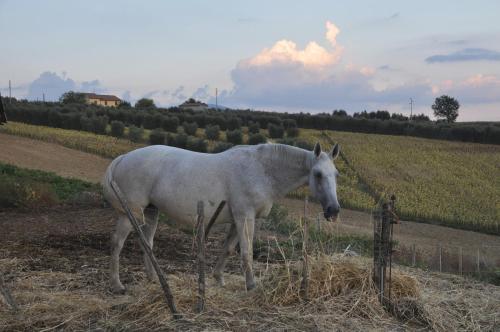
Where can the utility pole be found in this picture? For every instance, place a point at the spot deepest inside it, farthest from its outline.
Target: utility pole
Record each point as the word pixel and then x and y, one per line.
pixel 216 101
pixel 43 97
pixel 10 93
pixel 411 108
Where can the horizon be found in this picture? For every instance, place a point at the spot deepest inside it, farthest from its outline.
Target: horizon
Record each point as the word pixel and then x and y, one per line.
pixel 269 57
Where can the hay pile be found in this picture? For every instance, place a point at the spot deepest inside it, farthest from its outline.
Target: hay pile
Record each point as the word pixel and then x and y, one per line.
pixel 342 297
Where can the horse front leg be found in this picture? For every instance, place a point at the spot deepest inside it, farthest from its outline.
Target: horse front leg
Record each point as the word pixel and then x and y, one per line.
pixel 245 229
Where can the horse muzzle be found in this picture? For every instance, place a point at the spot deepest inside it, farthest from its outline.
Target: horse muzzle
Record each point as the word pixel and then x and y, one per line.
pixel 331 213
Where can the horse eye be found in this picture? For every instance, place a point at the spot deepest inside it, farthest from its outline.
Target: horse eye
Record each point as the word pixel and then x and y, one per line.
pixel 318 175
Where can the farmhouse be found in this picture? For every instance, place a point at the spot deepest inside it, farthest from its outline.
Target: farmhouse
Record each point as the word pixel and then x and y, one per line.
pixel 102 100
pixel 194 105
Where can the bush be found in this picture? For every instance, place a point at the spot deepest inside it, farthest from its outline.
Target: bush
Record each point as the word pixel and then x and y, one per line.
pixel 275 131
pixel 255 139
pixel 170 123
pixel 197 144
pixel 212 132
pixel 289 123
pixel 23 193
pixel 157 137
pixel 304 145
pixel 233 123
pixel 286 141
pixel 181 140
pixel 235 137
pixel 99 124
pixel 221 147
pixel 117 128
pixel 135 133
pixel 292 132
pixel 190 128
pixel 254 128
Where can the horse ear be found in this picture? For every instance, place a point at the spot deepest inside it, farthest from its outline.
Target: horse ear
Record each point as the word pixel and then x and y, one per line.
pixel 335 152
pixel 317 150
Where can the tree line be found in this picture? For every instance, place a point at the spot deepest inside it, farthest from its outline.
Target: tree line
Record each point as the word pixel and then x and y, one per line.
pixel 80 116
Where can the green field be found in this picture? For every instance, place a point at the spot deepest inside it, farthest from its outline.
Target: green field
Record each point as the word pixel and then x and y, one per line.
pixel 451 183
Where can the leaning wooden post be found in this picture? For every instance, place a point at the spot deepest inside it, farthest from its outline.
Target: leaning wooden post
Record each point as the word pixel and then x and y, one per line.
pixel 214 218
pixel 305 268
pixel 200 231
pixel 460 261
pixel 440 258
pixel 381 249
pixel 147 249
pixel 6 294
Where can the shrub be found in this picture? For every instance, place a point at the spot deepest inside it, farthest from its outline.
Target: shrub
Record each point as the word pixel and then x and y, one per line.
pixel 135 133
pixel 150 122
pixel 117 128
pixel 255 139
pixel 18 192
pixel 233 123
pixel 180 141
pixel 286 141
pixel 197 144
pixel 234 136
pixel 292 132
pixel 190 128
pixel 157 137
pixel 221 147
pixel 289 123
pixel 212 132
pixel 275 131
pixel 254 128
pixel 99 124
pixel 170 123
pixel 304 145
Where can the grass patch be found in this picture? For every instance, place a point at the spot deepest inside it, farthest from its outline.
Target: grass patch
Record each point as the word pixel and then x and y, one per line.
pixel 29 188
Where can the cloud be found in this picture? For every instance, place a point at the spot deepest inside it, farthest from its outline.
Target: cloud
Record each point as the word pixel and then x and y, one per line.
pixel 478 88
pixel 467 54
pixel 50 84
pixel 284 76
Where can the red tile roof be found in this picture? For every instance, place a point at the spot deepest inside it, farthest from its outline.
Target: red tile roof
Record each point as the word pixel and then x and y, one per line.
pixel 102 97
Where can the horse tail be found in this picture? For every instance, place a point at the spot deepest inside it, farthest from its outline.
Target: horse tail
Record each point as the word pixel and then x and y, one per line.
pixel 108 192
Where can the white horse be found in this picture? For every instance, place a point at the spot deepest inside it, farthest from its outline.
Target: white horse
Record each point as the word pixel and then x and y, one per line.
pixel 248 178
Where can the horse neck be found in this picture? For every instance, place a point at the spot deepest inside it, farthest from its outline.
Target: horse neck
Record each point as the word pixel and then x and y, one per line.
pixel 286 167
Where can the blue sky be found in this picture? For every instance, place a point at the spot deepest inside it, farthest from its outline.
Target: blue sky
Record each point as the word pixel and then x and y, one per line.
pixel 276 55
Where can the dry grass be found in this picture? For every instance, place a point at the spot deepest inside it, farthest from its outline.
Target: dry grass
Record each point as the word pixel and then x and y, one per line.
pixel 341 292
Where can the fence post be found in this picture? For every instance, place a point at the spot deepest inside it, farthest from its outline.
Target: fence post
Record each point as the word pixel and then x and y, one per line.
pixel 381 249
pixel 200 234
pixel 145 247
pixel 440 258
pixel 460 261
pixel 477 262
pixel 305 268
pixel 413 255
pixel 6 294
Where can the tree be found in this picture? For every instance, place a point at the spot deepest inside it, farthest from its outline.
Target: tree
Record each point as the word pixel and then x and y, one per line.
pixel 117 128
pixel 145 103
pixel 446 107
pixel 72 97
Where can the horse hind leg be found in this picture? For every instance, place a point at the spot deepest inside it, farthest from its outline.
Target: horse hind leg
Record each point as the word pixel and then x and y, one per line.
pixel 228 249
pixel 151 214
pixel 123 228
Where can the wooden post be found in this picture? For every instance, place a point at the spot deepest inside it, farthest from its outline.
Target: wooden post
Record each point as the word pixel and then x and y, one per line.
pixel 201 256
pixel 414 255
pixel 214 218
pixel 305 267
pixel 460 261
pixel 477 262
pixel 381 250
pixel 145 247
pixel 6 294
pixel 440 258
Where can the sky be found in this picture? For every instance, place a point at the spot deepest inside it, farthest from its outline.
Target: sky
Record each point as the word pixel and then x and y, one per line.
pixel 287 56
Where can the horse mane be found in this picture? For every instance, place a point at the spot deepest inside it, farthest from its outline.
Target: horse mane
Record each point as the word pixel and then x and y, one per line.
pixel 285 155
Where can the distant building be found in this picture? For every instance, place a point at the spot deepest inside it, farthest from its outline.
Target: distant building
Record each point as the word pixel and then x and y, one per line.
pixel 102 100
pixel 192 104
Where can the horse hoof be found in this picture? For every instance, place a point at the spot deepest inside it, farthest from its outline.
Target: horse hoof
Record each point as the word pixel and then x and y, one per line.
pixel 220 280
pixel 118 290
pixel 250 286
